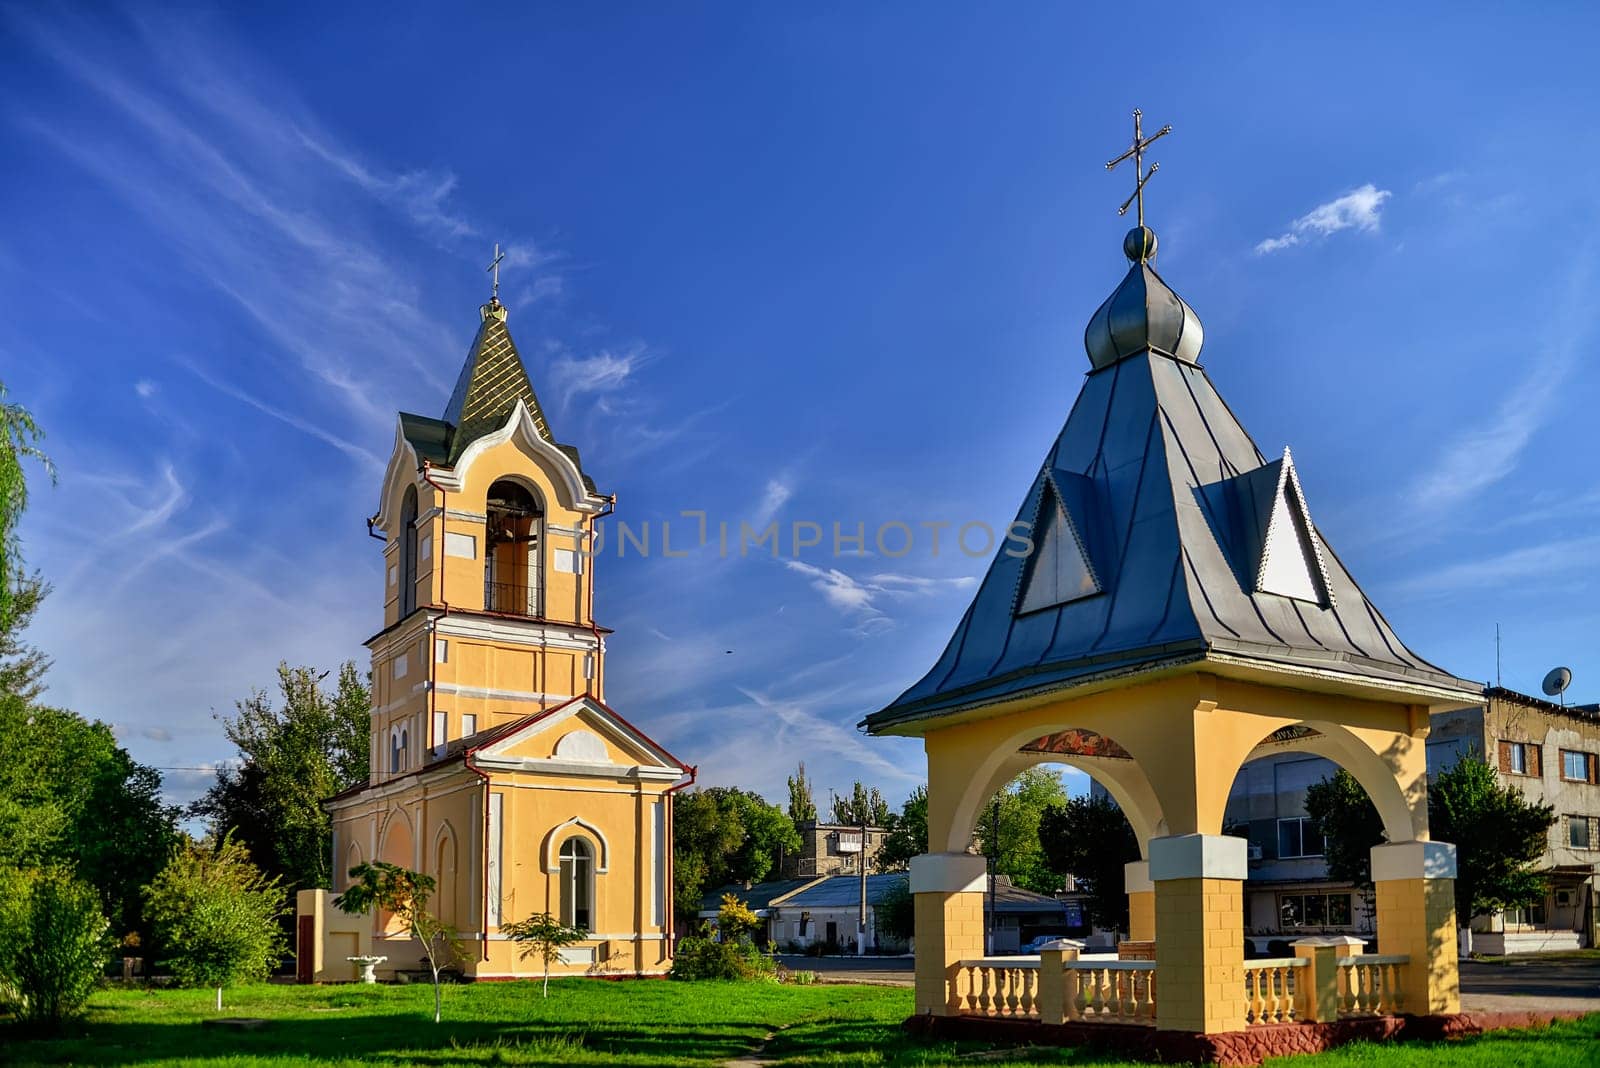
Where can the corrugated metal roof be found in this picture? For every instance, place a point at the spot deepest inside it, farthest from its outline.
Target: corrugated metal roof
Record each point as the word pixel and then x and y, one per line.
pixel 844 891
pixel 1175 499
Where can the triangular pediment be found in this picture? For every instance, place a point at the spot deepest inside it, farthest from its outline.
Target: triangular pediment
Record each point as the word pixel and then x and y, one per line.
pixel 582 734
pixel 1059 568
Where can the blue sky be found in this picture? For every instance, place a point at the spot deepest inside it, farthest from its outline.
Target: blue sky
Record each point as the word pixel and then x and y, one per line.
pixel 819 264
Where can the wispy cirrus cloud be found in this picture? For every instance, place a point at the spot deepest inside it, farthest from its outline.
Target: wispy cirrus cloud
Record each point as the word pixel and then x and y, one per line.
pixel 1489 451
pixel 863 600
pixel 1554 564
pixel 1359 209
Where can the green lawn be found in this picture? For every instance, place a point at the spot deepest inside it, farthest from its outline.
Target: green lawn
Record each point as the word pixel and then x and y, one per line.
pixel 621 1024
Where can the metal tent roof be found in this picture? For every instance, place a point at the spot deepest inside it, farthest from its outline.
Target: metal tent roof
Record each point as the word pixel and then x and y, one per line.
pixel 1175 509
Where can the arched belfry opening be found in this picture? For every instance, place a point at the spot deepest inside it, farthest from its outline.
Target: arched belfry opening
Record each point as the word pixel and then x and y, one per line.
pixel 408 553
pixel 1182 608
pixel 513 534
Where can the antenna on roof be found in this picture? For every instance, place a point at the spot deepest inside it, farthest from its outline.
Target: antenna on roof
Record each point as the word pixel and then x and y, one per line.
pixel 1556 683
pixel 1497 655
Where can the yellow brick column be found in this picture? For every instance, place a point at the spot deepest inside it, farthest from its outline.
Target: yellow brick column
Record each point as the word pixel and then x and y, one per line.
pixel 1141 901
pixel 947 889
pixel 1199 932
pixel 1416 899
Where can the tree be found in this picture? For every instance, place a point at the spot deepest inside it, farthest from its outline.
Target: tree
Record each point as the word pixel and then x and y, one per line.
pixel 801 805
pixel 19 441
pixel 404 895
pixel 22 666
pixel 216 915
pixel 1349 823
pixel 1090 839
pixel 1016 849
pixel 70 795
pixel 896 911
pixel 54 943
pixel 724 835
pixel 1499 837
pixel 907 835
pixel 864 805
pixel 543 935
pixel 312 746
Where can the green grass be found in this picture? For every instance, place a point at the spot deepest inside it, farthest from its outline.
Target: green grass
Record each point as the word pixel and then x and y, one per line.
pixel 621 1024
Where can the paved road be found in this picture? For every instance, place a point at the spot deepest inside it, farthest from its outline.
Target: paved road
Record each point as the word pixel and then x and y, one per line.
pixel 1530 983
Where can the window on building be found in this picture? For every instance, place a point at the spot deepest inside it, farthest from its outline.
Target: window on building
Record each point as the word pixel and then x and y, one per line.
pixel 469 725
pixel 408 553
pixel 1316 910
pixel 1531 916
pixel 1298 837
pixel 513 530
pixel 577 883
pixel 1579 834
pixel 1577 766
pixel 1520 758
pixel 441 732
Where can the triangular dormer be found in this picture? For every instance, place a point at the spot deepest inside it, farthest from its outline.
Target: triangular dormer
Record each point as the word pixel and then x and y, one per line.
pixel 1059 570
pixel 1261 520
pixel 1291 562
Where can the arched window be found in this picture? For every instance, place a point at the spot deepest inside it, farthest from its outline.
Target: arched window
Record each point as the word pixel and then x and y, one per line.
pixel 408 553
pixel 397 749
pixel 512 554
pixel 577 883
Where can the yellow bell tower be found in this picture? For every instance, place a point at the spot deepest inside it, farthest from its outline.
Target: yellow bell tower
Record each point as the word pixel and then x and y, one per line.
pixel 497 768
pixel 488 523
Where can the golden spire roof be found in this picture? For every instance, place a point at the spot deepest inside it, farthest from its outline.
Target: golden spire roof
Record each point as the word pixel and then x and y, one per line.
pixel 492 381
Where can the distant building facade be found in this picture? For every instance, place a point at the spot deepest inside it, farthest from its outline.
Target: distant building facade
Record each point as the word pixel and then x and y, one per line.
pixel 798 914
pixel 831 849
pixel 1551 753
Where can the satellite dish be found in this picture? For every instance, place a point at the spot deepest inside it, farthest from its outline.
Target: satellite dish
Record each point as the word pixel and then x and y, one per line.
pixel 1557 681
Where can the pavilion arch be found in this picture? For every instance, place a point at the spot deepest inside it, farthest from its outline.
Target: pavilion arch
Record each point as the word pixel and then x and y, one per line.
pixel 553 841
pixel 1403 821
pixel 1122 777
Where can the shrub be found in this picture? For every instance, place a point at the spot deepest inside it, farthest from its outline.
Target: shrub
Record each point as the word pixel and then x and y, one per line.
pixel 54 944
pixel 735 920
pixel 216 915
pixel 699 957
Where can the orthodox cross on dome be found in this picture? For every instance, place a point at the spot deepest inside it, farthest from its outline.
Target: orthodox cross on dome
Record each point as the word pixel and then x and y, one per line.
pixel 494 269
pixel 1140 175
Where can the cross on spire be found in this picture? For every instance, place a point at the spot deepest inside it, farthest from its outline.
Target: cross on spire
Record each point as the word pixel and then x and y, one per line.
pixel 1140 175
pixel 494 269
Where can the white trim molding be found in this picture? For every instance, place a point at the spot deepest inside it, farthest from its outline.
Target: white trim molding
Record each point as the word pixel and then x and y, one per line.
pixel 520 427
pixel 948 873
pixel 1136 877
pixel 554 840
pixel 1413 860
pixel 1199 856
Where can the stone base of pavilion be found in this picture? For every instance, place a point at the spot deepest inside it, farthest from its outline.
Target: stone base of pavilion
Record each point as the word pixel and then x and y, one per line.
pixel 1248 1047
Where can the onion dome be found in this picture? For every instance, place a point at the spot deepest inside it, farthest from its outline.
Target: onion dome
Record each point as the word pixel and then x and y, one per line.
pixel 1142 313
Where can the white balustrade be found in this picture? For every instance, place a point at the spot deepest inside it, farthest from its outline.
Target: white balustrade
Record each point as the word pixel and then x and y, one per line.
pixel 1270 988
pixel 1371 984
pixel 1124 991
pixel 1007 987
pixel 1111 991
